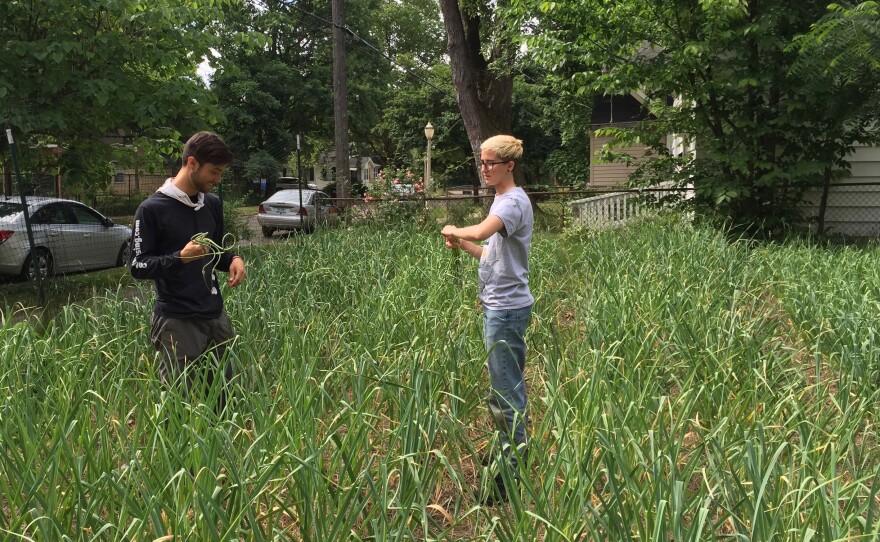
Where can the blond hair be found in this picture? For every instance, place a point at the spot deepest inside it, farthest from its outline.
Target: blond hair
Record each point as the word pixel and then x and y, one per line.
pixel 506 147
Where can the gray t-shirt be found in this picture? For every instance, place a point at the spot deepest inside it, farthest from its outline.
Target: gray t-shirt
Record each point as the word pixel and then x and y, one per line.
pixel 504 265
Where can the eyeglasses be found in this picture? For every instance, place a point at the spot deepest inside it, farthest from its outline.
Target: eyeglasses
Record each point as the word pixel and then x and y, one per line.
pixel 489 164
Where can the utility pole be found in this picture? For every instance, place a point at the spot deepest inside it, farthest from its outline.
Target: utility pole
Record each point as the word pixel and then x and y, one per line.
pixel 340 98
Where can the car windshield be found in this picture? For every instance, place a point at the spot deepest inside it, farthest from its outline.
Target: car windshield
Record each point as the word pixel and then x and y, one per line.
pixel 9 209
pixel 290 196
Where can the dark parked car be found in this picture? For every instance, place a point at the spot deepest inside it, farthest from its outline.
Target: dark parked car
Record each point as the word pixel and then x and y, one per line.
pixel 68 236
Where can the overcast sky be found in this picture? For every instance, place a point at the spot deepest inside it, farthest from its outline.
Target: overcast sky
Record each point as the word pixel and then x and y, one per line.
pixel 205 70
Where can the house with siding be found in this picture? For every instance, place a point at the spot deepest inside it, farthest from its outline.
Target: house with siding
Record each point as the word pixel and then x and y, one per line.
pixel 132 181
pixel 612 208
pixel 853 206
pixel 362 169
pixel 614 111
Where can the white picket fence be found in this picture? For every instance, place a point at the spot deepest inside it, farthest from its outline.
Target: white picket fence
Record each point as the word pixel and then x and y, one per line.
pixel 614 209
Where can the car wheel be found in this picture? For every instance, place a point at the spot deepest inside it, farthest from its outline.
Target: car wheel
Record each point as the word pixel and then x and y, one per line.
pixel 267 232
pixel 39 259
pixel 124 257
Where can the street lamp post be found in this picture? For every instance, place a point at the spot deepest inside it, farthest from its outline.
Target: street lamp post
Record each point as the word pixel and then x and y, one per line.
pixel 429 133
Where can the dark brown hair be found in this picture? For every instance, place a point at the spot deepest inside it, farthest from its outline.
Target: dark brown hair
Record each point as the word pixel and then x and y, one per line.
pixel 207 148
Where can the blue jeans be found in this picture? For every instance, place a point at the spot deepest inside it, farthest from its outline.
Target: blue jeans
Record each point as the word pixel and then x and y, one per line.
pixel 504 331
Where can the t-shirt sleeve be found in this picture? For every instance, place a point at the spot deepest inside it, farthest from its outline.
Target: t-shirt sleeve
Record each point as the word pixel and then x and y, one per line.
pixel 509 210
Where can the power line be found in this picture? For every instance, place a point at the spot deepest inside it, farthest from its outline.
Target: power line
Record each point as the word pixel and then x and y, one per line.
pixel 367 44
pixel 372 47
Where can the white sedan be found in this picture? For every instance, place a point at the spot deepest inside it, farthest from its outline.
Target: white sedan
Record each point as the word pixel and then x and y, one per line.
pixel 68 236
pixel 285 211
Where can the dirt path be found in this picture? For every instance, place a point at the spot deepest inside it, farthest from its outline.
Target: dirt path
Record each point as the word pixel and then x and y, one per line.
pixel 257 237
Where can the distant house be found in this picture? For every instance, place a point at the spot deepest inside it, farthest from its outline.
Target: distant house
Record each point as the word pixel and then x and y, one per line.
pixel 615 111
pixel 44 181
pixel 369 170
pixel 134 177
pixel 361 169
pixel 853 203
pixel 135 180
pixel 616 208
pixel 130 182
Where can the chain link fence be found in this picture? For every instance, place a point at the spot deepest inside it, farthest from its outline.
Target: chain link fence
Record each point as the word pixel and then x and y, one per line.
pixel 69 237
pixel 43 236
pixel 555 209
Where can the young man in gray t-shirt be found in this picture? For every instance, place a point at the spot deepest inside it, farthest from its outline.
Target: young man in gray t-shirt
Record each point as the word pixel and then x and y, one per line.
pixel 504 294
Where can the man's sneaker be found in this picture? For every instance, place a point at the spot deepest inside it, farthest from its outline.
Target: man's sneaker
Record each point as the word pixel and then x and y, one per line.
pixel 494 493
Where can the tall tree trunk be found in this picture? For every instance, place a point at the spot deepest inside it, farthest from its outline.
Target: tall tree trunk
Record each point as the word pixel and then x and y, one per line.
pixel 340 99
pixel 484 98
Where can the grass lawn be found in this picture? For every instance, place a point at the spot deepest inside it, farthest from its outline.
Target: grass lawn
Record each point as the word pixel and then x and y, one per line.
pixel 19 298
pixel 681 387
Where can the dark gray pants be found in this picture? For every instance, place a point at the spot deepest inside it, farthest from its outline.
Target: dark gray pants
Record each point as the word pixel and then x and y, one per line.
pixel 193 352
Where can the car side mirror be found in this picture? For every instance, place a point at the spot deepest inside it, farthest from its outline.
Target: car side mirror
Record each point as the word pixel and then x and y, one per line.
pixel 108 223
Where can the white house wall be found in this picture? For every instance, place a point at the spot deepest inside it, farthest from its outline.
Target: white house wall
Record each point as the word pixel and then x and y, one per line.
pixel 851 210
pixel 611 174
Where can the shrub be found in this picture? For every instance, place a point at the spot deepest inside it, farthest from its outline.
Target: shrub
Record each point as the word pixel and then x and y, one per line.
pixel 396 198
pixel 233 221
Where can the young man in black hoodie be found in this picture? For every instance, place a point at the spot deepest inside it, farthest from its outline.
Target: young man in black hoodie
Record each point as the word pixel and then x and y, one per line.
pixel 189 324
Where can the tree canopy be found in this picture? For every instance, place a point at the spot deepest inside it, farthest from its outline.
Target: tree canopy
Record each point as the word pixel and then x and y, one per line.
pixel 389 45
pixel 79 71
pixel 723 72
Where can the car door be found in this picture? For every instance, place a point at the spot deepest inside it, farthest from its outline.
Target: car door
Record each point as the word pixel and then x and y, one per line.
pixel 96 245
pixel 48 223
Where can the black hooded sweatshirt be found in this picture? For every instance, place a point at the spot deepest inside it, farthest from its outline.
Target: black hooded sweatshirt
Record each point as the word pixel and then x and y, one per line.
pixel 162 227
